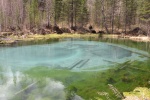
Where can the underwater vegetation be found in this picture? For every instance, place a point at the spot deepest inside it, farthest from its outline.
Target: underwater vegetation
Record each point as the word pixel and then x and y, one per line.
pixel 56 83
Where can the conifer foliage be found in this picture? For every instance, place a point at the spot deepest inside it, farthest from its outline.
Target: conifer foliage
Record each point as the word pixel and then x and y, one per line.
pixel 107 15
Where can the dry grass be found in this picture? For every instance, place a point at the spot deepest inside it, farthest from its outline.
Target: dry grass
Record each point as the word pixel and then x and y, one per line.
pixel 13 38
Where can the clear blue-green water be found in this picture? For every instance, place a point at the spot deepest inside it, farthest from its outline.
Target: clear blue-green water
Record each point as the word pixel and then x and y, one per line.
pixel 73 56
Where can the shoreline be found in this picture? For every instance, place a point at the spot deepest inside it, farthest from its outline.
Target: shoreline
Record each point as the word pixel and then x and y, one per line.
pixel 133 38
pixel 13 39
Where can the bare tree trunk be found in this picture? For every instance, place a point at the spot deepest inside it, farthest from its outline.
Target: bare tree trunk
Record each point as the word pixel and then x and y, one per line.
pixel 24 16
pixel 48 19
pixel 10 14
pixel 119 15
pixel 30 15
pixel 75 15
pixel 125 17
pixel 104 18
pixel 55 13
pixel 68 18
pixel 112 20
pixel 148 30
pixel 48 6
pixel 1 16
pixel 0 27
pixel 72 13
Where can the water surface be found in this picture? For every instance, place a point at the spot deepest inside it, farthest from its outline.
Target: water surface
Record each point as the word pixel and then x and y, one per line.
pixel 72 55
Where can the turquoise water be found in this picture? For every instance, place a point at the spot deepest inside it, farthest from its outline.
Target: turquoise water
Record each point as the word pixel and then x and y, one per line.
pixel 73 55
pixel 70 55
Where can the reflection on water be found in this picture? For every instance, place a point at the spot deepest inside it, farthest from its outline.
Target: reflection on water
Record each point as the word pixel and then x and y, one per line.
pixel 70 55
pixel 16 86
pixel 74 55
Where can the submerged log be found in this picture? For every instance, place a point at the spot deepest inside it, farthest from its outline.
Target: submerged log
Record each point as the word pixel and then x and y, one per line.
pixel 140 69
pixel 126 64
pixel 85 61
pixel 110 61
pixel 146 55
pixel 25 88
pixel 77 63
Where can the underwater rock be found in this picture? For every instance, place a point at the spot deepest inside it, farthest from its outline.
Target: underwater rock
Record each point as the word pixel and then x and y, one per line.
pixel 139 93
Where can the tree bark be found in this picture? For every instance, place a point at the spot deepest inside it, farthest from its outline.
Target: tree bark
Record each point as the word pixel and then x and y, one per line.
pixel 24 16
pixel 72 2
pixel 104 18
pixel 125 17
pixel 112 20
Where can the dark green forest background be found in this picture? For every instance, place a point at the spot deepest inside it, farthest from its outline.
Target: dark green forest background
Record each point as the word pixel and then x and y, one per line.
pixel 112 16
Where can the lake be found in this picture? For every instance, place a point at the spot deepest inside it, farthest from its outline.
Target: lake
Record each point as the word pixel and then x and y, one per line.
pixel 62 70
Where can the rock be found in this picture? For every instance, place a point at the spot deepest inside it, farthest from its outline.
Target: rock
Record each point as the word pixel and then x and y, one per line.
pixel 101 32
pixel 82 30
pixel 139 93
pixel 57 30
pixel 74 28
pixel 137 31
pixel 93 31
pixel 42 31
pixel 65 30
pixel 90 27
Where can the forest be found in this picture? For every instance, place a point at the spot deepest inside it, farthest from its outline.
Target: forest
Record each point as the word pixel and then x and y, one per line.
pixel 74 49
pixel 69 16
